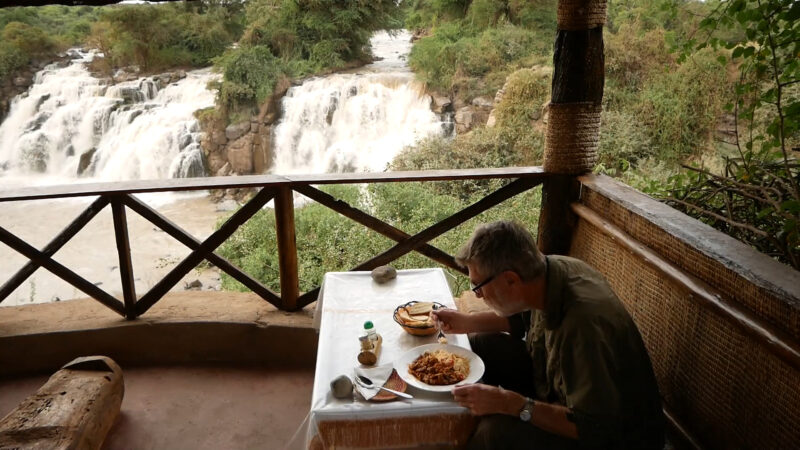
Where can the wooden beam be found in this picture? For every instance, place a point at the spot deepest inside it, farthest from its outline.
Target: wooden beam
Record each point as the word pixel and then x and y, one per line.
pixel 9 3
pixel 762 332
pixel 377 225
pixel 188 240
pixel 53 246
pixel 60 271
pixel 443 226
pixel 124 254
pixel 578 76
pixel 287 248
pixel 206 248
pixel 257 181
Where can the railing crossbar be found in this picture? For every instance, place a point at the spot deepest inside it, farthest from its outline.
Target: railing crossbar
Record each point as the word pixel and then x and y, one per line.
pixel 193 243
pixel 60 271
pixel 376 224
pixel 206 248
pixel 53 246
pixel 445 225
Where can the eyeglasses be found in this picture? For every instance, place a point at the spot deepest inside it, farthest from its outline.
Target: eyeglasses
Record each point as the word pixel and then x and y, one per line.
pixel 477 287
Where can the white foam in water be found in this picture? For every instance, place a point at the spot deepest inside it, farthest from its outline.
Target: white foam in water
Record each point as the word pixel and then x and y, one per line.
pixel 355 122
pixel 129 131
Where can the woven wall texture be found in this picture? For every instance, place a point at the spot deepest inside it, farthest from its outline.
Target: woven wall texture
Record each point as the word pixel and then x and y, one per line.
pixel 781 314
pixel 728 389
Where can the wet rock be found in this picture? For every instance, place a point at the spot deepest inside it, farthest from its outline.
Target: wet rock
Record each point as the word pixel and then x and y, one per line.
pixel 482 102
pixel 218 137
pixel 20 81
pixel 240 154
pixel 227 205
pixel 464 119
pixel 131 95
pixel 441 104
pixel 235 131
pixel 225 170
pixel 193 286
pixel 86 160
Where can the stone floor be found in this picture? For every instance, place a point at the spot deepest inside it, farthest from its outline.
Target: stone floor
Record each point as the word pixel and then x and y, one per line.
pixel 198 407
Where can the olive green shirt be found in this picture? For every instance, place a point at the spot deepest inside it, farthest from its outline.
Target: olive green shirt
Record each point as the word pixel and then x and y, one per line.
pixel 589 356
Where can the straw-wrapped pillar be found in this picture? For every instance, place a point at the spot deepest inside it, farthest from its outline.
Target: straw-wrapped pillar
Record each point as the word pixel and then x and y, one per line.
pixel 573 124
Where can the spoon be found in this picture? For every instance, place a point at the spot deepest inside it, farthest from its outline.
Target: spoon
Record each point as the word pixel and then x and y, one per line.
pixel 367 383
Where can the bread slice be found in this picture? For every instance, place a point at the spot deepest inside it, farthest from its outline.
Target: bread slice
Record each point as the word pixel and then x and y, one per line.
pixel 421 308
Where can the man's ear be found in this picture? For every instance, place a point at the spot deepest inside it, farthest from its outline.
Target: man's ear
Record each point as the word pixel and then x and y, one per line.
pixel 511 277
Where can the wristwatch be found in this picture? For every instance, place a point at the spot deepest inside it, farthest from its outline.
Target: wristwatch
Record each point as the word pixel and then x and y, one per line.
pixel 527 410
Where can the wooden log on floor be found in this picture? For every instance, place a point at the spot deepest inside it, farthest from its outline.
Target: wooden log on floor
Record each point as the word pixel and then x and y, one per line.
pixel 73 410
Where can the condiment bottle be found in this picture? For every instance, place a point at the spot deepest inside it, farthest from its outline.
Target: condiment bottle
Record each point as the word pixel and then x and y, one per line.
pixel 370 345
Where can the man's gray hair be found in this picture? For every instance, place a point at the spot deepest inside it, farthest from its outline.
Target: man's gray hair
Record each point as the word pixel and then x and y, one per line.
pixel 504 245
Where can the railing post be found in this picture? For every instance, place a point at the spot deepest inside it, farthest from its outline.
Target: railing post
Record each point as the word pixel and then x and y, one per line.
pixel 287 248
pixel 573 125
pixel 124 253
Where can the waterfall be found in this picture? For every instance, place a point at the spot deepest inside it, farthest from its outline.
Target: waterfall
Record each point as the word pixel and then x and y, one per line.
pixel 70 124
pixel 355 121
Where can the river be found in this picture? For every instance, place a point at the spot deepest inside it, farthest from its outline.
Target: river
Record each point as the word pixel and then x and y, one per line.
pixel 71 127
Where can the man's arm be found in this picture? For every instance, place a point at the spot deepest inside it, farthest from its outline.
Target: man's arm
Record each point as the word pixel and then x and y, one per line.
pixel 484 399
pixel 457 322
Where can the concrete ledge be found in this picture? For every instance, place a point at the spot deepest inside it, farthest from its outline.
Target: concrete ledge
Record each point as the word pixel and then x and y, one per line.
pixel 184 327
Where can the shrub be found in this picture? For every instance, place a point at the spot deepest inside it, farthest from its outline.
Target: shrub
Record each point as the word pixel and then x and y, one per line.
pixel 11 59
pixel 250 75
pixel 29 39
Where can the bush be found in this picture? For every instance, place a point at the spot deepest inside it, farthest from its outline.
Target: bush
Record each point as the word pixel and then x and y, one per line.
pixel 29 39
pixel 11 59
pixel 329 242
pixel 250 75
pixel 459 60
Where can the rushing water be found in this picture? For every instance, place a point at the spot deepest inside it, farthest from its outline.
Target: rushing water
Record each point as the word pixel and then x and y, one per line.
pixel 128 131
pixel 356 122
pixel 145 129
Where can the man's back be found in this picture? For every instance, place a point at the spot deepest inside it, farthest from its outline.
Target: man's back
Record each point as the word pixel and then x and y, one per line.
pixel 597 364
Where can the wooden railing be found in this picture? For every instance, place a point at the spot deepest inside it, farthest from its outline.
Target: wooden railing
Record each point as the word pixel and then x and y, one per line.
pixel 269 187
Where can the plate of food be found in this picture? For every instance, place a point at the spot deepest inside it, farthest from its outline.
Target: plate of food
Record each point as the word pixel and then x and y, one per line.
pixel 439 367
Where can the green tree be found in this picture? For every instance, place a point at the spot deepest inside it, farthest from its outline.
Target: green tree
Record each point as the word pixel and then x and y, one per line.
pixel 757 196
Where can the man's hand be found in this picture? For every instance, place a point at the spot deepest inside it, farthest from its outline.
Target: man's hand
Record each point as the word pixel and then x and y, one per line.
pixel 453 321
pixel 483 399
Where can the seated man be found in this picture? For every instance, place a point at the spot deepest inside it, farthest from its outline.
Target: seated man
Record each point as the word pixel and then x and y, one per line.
pixel 581 378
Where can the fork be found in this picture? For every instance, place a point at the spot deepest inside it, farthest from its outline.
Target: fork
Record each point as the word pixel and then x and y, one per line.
pixel 441 338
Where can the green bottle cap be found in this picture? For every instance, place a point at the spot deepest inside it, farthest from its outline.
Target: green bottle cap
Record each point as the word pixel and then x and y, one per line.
pixel 368 325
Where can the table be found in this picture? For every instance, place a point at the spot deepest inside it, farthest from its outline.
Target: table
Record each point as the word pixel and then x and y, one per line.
pixel 346 301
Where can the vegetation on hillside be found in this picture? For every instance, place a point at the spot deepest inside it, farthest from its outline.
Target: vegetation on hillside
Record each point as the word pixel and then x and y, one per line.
pixel 756 195
pixel 30 33
pixel 294 39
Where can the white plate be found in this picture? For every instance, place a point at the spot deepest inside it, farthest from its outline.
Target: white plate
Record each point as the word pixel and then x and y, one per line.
pixel 476 366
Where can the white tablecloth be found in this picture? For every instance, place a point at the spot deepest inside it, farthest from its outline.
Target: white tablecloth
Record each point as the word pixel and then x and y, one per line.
pixel 346 301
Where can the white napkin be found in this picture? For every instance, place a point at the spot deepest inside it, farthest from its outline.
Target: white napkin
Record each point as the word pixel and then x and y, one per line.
pixel 379 375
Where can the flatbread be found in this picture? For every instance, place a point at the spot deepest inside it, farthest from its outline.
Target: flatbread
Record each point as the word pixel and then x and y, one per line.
pixel 416 320
pixel 420 308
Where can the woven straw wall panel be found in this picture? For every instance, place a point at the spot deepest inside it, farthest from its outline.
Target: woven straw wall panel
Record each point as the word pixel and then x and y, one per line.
pixel 581 14
pixel 728 389
pixel 439 430
pixel 762 303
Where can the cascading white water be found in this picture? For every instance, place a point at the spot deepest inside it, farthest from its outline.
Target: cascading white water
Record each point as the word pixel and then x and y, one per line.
pixel 358 121
pixel 131 130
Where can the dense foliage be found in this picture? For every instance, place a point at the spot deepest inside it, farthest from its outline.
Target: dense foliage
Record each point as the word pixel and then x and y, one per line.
pixel 756 198
pixel 294 38
pixel 155 37
pixel 474 46
pixel 31 33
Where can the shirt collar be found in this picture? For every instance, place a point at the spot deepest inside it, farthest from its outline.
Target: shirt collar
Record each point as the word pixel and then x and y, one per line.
pixel 554 301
